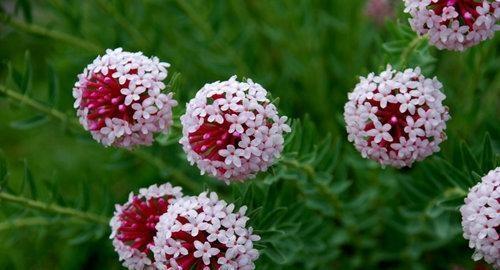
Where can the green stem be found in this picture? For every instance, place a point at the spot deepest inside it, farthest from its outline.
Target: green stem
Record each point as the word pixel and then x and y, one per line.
pixel 321 188
pixel 31 221
pixel 409 50
pixel 24 99
pixel 52 208
pixel 38 30
pixel 177 175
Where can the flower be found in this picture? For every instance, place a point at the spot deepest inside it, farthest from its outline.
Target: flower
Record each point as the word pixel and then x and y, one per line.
pixel 481 218
pixel 118 98
pixel 454 24
pixel 133 224
pixel 231 130
pixel 203 232
pixel 379 10
pixel 396 118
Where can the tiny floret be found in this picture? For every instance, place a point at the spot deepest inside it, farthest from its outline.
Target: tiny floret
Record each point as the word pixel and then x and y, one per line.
pixel 454 24
pixel 231 130
pixel 133 224
pixel 203 232
pixel 119 98
pixel 396 118
pixel 481 218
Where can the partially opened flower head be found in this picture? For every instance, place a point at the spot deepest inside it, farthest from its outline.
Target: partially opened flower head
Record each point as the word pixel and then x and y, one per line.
pixel 231 130
pixel 454 24
pixel 203 232
pixel 133 224
pixel 396 118
pixel 481 218
pixel 120 99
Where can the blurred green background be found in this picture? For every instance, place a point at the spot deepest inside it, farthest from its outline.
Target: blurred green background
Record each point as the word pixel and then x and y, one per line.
pixel 321 207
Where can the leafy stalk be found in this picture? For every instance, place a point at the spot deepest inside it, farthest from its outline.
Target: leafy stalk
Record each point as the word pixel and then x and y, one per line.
pixel 53 208
pixel 60 36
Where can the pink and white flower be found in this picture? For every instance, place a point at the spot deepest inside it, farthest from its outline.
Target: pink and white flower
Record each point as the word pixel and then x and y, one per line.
pixel 231 130
pixel 118 93
pixel 407 124
pixel 203 232
pixel 481 218
pixel 454 24
pixel 133 224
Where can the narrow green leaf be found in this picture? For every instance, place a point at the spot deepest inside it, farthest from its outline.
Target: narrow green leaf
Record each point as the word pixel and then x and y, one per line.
pixel 3 169
pixel 31 122
pixel 25 7
pixel 53 87
pixel 468 159
pixel 28 178
pixel 274 253
pixel 487 160
pixel 28 72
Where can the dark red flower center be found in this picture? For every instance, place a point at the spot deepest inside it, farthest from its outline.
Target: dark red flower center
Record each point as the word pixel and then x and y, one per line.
pixel 189 261
pixel 209 138
pixel 466 10
pixel 101 95
pixel 138 222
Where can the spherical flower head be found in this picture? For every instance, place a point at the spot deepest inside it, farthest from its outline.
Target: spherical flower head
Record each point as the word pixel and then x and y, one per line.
pixel 481 218
pixel 119 98
pixel 231 130
pixel 379 10
pixel 203 232
pixel 454 24
pixel 396 118
pixel 133 224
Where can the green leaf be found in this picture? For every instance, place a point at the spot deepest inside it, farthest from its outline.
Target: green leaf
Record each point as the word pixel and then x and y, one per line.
pixel 28 72
pixel 28 178
pixel 275 254
pixel 3 168
pixel 31 122
pixel 487 160
pixel 53 87
pixel 468 159
pixel 25 7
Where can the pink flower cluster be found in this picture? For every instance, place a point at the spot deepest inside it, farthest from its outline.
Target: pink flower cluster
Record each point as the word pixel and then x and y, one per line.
pixel 231 130
pixel 205 233
pixel 133 224
pixel 396 118
pixel 481 218
pixel 160 229
pixel 454 24
pixel 119 98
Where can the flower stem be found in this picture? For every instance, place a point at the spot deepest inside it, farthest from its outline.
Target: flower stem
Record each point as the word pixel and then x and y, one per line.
pixel 38 30
pixel 52 208
pixel 406 53
pixel 24 99
pixel 32 221
pixel 144 155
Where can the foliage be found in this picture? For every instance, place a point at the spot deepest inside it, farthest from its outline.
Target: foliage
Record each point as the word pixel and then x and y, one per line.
pixel 321 207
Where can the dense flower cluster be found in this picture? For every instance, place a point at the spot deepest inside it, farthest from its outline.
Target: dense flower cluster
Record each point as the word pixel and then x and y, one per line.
pixel 454 24
pixel 133 224
pixel 231 130
pixel 396 118
pixel 203 232
pixel 119 98
pixel 481 218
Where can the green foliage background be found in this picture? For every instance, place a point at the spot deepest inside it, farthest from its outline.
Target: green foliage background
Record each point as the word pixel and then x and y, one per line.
pixel 321 207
